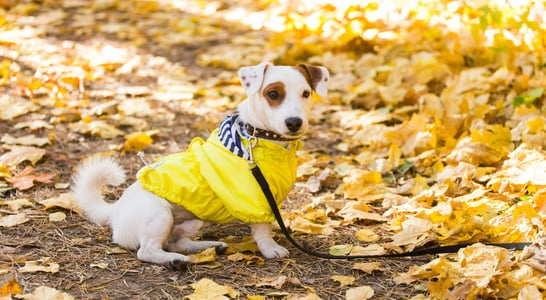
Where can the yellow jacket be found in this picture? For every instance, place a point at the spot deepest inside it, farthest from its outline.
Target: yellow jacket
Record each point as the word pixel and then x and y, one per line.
pixel 217 185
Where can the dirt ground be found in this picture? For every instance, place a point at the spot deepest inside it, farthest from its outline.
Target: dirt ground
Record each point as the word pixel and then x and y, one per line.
pixel 92 267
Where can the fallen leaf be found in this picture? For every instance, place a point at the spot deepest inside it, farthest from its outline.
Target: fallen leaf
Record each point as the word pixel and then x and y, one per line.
pixel 17 204
pixel 101 265
pixel 359 211
pixel 33 125
pixel 343 280
pixel 415 232
pixel 13 220
pixel 530 292
pixel 274 282
pixel 27 140
pixel 368 267
pixel 44 292
pixel 98 128
pixel 42 265
pixel 116 250
pixel 10 288
pixel 19 154
pixel 208 289
pixel 249 259
pixel 137 141
pixel 359 293
pixel 367 235
pixel 205 256
pixel 57 216
pixel 373 249
pixel 64 200
pixel 14 107
pixel 303 225
pixel 340 249
pixel 25 179
pixel 310 296
pixel 246 245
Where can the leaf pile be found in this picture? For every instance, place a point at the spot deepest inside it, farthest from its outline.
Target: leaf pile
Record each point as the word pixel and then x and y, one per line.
pixel 433 131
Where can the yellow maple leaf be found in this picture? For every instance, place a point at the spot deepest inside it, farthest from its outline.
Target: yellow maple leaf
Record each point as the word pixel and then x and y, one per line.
pixel 361 184
pixel 10 288
pixel 535 125
pixel 208 289
pixel 301 224
pixel 367 235
pixel 480 263
pixel 496 136
pixel 205 256
pixel 343 280
pixel 137 141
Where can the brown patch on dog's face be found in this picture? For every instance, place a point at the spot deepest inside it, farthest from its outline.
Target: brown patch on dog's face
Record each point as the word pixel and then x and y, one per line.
pixel 274 93
pixel 312 74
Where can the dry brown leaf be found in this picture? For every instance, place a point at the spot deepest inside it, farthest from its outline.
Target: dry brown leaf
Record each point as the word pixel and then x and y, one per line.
pixel 42 265
pixel 27 140
pixel 249 259
pixel 13 220
pixel 98 128
pixel 368 267
pixel 274 282
pixel 64 200
pixel 359 293
pixel 17 204
pixel 45 292
pixel 373 249
pixel 19 154
pixel 12 107
pixel 57 216
pixel 356 210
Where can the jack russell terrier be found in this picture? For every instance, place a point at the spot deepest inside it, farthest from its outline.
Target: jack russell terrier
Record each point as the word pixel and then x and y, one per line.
pixel 164 209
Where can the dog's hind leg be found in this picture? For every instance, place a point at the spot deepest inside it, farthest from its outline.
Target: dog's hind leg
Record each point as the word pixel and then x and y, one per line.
pixel 152 241
pixel 182 234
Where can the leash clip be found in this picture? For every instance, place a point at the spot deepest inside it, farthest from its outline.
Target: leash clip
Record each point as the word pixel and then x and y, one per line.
pixel 252 141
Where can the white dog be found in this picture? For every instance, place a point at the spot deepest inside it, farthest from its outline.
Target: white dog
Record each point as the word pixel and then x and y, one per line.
pixel 164 209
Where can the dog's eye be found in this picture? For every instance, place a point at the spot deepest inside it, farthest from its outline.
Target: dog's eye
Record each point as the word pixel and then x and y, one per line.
pixel 273 95
pixel 306 94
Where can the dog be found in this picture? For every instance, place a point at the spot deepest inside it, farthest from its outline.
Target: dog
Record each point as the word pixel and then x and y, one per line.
pixel 160 213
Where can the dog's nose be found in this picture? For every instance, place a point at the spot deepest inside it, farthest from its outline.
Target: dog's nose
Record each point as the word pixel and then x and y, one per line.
pixel 293 123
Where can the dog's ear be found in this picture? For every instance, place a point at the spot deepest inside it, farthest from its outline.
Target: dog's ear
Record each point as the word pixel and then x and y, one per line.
pixel 252 77
pixel 316 76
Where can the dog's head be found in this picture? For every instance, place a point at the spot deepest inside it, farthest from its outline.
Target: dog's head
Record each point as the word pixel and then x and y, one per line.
pixel 280 97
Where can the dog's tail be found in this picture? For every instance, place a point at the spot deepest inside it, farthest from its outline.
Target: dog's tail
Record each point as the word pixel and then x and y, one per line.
pixel 92 175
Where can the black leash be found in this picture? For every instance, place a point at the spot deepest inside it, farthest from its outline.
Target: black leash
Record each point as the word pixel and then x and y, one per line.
pixel 437 250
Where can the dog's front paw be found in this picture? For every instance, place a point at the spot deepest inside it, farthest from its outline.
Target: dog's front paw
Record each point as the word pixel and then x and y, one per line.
pixel 272 250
